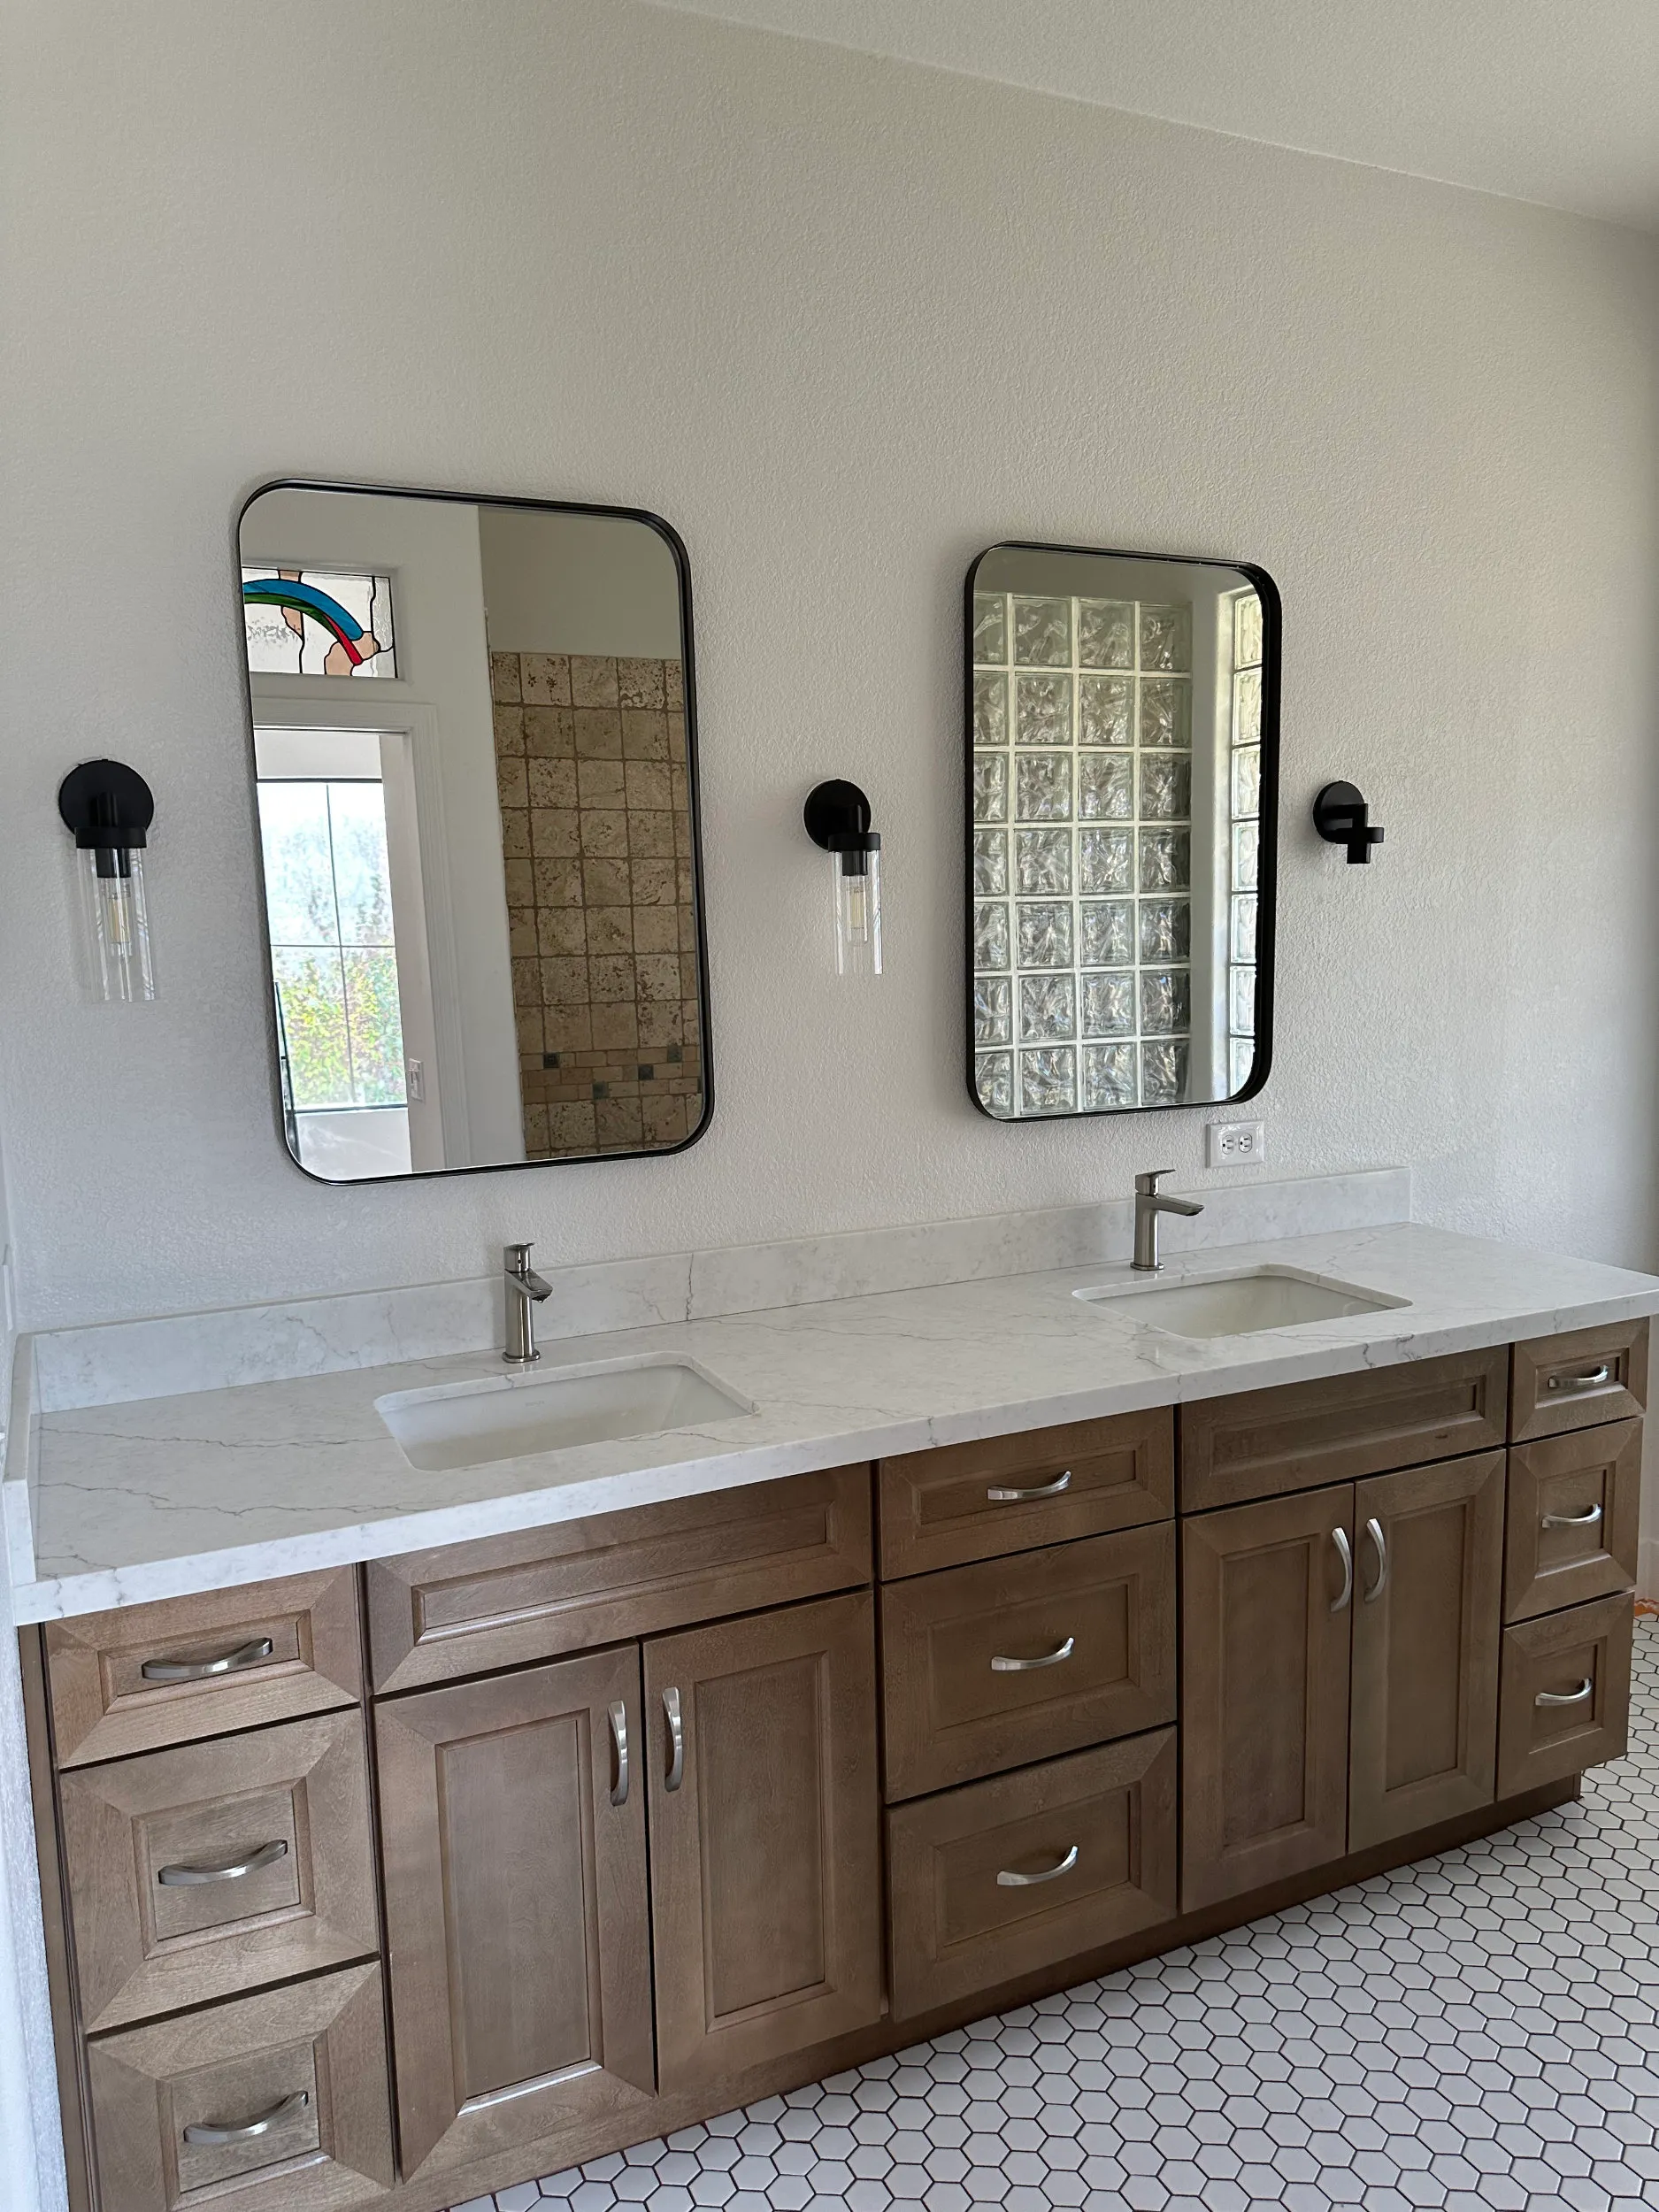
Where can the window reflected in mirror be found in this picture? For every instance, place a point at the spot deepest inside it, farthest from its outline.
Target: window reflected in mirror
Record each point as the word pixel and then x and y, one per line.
pixel 1117 741
pixel 481 874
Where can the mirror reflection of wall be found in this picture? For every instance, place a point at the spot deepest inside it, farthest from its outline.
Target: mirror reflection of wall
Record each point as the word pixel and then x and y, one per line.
pixel 1121 710
pixel 476 820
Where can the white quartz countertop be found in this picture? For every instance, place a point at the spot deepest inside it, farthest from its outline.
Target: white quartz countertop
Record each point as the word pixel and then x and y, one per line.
pixel 161 1497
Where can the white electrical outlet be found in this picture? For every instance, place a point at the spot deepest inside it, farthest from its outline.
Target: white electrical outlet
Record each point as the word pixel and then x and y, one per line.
pixel 1234 1143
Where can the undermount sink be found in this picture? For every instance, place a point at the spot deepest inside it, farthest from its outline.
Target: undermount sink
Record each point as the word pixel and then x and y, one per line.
pixel 471 1423
pixel 1240 1304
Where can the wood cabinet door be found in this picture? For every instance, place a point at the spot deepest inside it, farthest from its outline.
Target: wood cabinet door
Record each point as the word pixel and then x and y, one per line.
pixel 765 1858
pixel 1423 1718
pixel 517 1927
pixel 1265 1690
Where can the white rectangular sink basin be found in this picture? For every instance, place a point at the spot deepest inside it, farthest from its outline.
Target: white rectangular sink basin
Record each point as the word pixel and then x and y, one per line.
pixel 1239 1304
pixel 471 1423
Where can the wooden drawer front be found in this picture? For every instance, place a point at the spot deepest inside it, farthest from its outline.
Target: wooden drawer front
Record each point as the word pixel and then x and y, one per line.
pixel 1554 1656
pixel 225 2068
pixel 113 1692
pixel 473 1608
pixel 291 1803
pixel 953 1714
pixel 943 1508
pixel 1572 1382
pixel 958 1929
pixel 1573 1504
pixel 1265 1442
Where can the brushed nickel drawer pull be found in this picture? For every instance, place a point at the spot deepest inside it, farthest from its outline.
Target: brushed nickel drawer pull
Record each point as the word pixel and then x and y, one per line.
pixel 1374 1530
pixel 1007 1879
pixel 619 1737
pixel 1588 1519
pixel 229 1871
pixel 1594 1380
pixel 676 1739
pixel 998 1495
pixel 206 1670
pixel 1566 1697
pixel 1345 1553
pixel 1000 1665
pixel 214 2131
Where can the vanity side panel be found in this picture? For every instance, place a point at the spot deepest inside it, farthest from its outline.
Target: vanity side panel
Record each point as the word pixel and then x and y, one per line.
pixel 68 2049
pixel 103 1708
pixel 504 1600
pixel 1087 1478
pixel 1266 1443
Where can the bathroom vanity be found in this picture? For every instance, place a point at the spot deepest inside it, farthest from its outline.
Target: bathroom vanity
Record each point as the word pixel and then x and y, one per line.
pixel 430 1867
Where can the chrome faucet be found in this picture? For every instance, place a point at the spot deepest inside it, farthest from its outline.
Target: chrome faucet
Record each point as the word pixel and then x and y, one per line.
pixel 1149 1203
pixel 525 1290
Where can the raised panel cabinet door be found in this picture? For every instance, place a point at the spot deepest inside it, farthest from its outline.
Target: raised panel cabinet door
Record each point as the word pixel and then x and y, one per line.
pixel 201 1871
pixel 1422 1734
pixel 1266 1599
pixel 512 1815
pixel 273 2103
pixel 1574 1502
pixel 766 1853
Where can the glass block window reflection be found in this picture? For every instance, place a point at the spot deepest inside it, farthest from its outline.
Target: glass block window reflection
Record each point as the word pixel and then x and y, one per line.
pixel 1082 853
pixel 329 894
pixel 1244 787
pixel 313 622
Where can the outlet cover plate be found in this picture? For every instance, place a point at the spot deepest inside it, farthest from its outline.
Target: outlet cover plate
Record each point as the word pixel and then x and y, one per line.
pixel 1234 1143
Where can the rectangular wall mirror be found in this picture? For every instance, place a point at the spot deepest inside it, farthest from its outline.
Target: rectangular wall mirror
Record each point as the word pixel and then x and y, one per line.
pixel 1122 746
pixel 474 764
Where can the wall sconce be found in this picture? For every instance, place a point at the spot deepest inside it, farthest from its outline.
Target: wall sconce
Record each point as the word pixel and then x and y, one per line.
pixel 110 808
pixel 1341 817
pixel 837 816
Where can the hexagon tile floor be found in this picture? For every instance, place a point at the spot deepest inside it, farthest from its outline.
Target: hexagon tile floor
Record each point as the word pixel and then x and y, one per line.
pixel 1479 2032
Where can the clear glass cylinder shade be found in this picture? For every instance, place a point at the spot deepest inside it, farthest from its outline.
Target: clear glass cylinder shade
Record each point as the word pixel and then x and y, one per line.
pixel 858 878
pixel 115 926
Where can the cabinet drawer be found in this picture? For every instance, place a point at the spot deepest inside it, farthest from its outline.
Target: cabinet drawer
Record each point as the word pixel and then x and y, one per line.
pixel 1010 1876
pixel 1265 1442
pixel 1581 1658
pixel 175 2106
pixel 1573 1505
pixel 471 1608
pixel 974 1677
pixel 1574 1381
pixel 149 1675
pixel 163 1917
pixel 963 1501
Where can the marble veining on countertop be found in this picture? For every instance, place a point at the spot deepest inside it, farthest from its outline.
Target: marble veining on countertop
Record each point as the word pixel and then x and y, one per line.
pixel 159 1497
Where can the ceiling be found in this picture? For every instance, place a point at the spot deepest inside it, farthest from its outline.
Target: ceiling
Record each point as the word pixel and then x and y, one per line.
pixel 1556 101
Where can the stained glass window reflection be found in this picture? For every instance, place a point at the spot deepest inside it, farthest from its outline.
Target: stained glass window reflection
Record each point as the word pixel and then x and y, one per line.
pixel 317 622
pixel 328 898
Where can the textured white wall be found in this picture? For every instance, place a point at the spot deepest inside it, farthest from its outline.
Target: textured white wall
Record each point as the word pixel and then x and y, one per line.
pixel 844 322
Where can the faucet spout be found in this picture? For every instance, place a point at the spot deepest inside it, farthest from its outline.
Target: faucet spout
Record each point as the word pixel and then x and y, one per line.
pixel 525 1290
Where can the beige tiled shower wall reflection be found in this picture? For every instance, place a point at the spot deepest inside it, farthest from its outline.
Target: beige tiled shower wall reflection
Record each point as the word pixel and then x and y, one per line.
pixel 596 838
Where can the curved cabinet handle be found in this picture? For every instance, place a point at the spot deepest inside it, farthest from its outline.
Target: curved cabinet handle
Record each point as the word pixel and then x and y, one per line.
pixel 1000 1665
pixel 1588 1519
pixel 1594 1380
pixel 1374 1530
pixel 1007 1879
pixel 248 1654
pixel 1345 1553
pixel 1566 1697
pixel 676 1739
pixel 214 2131
pixel 225 1871
pixel 619 1744
pixel 1000 1496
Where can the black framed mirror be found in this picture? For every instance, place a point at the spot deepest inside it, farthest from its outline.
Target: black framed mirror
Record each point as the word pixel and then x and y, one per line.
pixel 1121 811
pixel 473 739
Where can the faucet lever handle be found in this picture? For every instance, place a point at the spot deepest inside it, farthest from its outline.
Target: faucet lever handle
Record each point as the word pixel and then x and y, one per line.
pixel 1147 1184
pixel 516 1259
